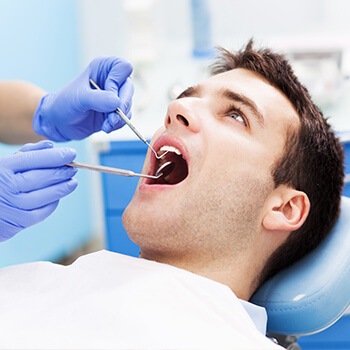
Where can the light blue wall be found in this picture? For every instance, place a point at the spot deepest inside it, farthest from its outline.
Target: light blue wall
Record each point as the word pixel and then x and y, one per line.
pixel 39 41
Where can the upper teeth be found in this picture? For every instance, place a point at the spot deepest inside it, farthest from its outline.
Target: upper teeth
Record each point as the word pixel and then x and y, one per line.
pixel 169 149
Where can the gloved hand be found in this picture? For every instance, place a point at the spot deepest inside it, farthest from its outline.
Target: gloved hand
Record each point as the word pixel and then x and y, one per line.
pixel 32 181
pixel 78 110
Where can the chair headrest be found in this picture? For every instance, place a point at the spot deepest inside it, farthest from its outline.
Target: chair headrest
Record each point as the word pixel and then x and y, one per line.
pixel 313 293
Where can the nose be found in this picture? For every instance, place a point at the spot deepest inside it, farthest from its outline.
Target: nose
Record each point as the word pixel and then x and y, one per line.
pixel 183 113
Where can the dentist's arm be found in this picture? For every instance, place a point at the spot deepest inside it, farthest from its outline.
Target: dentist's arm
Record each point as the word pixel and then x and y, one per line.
pixel 32 181
pixel 18 102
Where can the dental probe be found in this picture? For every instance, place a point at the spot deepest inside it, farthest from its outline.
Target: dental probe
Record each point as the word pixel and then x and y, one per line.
pixel 110 170
pixel 131 126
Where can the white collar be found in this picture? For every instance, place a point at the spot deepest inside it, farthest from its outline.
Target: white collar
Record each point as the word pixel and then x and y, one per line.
pixel 257 314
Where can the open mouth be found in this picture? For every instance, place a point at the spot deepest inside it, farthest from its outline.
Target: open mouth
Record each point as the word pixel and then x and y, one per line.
pixel 176 172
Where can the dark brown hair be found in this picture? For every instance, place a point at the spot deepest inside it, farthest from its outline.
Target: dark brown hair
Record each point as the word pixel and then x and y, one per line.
pixel 312 160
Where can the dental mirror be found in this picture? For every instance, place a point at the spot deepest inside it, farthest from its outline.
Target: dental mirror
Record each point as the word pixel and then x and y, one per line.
pixel 165 169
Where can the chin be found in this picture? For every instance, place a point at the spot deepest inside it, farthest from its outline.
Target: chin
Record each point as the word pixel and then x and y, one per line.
pixel 151 228
pixel 140 224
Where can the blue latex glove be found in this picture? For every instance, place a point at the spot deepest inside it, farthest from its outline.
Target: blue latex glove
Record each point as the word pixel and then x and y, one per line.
pixel 78 110
pixel 32 182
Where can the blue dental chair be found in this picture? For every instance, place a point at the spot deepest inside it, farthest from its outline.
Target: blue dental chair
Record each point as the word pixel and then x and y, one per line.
pixel 314 293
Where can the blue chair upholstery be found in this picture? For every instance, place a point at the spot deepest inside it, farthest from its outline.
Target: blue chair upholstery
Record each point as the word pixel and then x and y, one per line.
pixel 313 293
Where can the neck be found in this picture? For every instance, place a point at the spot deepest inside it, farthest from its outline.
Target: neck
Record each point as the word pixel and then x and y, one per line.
pixel 238 274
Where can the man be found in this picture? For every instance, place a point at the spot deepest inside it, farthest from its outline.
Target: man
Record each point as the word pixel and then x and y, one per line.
pixel 29 191
pixel 256 166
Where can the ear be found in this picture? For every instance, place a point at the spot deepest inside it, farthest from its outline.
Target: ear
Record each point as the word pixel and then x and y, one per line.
pixel 287 209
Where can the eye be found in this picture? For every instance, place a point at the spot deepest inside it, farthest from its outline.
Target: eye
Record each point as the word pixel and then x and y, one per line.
pixel 238 117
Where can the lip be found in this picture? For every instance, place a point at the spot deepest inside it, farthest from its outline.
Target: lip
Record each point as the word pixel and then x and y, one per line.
pixel 169 140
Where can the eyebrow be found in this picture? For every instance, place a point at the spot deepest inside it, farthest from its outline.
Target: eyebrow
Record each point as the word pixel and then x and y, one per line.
pixel 246 101
pixel 192 91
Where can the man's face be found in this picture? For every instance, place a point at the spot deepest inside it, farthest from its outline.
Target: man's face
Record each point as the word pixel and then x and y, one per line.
pixel 230 130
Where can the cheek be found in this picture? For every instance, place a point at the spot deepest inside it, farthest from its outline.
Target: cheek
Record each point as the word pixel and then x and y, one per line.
pixel 238 154
pixel 234 182
pixel 236 198
pixel 236 163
